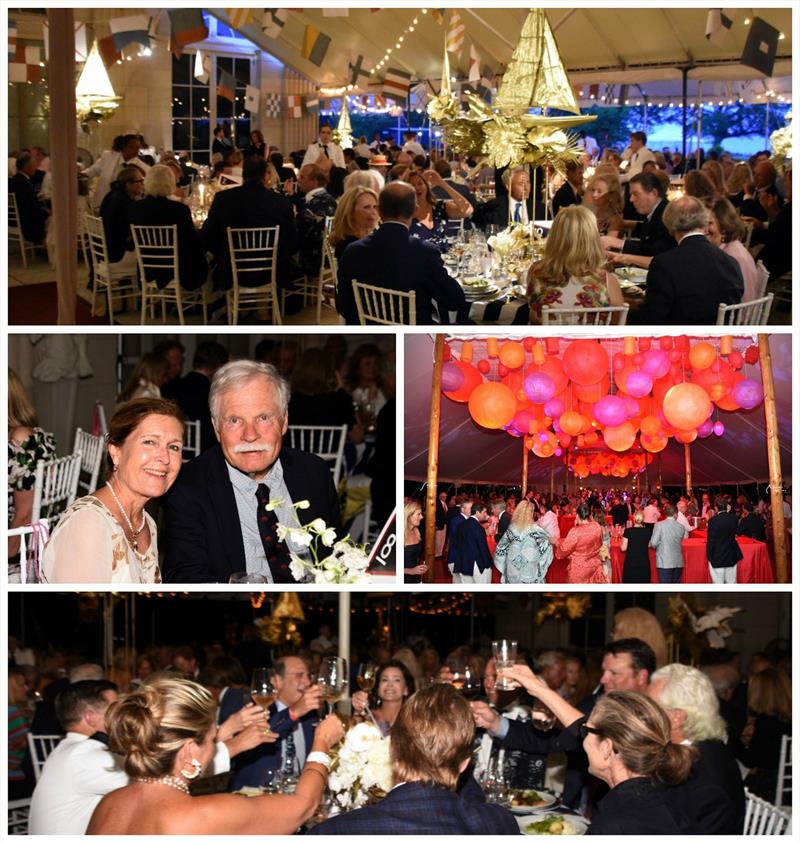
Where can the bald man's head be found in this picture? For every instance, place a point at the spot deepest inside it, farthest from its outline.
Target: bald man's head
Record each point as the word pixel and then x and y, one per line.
pixel 397 202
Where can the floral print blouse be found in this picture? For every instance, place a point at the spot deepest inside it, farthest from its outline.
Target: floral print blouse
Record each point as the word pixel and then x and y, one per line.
pixel 22 458
pixel 437 235
pixel 589 291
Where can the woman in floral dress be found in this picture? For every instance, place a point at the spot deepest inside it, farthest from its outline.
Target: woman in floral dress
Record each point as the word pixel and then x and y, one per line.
pixel 581 548
pixel 571 272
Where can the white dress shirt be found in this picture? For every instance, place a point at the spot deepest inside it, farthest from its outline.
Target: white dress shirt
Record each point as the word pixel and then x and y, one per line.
pixel 637 160
pixel 512 210
pixel 684 522
pixel 299 738
pixel 316 149
pixel 549 522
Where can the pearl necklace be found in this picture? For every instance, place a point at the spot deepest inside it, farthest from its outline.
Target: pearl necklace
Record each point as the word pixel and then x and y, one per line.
pixel 134 539
pixel 168 780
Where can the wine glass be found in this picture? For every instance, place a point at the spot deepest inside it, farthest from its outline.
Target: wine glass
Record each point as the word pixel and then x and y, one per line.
pixel 505 656
pixel 262 691
pixel 332 680
pixel 542 717
pixel 467 682
pixel 366 677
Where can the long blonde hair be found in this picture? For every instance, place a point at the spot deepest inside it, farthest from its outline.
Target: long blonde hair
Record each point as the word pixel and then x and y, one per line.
pixel 343 224
pixel 21 412
pixel 572 249
pixel 523 517
pixel 408 512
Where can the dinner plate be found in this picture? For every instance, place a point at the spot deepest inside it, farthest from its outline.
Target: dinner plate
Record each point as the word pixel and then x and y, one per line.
pixel 579 824
pixel 480 294
pixel 634 274
pixel 548 799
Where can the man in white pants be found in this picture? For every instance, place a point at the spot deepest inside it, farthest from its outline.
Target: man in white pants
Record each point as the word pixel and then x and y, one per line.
pixel 472 559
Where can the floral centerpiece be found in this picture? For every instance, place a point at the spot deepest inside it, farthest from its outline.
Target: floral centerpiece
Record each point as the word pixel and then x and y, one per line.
pixel 325 560
pixel 515 247
pixel 361 771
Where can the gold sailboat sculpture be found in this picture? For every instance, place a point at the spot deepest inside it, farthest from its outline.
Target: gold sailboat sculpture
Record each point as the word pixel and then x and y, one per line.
pixel 509 134
pixel 343 134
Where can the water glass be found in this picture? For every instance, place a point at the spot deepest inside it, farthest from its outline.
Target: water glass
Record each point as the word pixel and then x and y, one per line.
pixel 505 655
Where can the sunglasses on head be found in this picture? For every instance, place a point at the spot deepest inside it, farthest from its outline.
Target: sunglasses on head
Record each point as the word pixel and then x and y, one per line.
pixel 585 730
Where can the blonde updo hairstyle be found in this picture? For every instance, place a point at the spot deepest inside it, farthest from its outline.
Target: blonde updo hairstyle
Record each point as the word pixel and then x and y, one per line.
pixel 149 727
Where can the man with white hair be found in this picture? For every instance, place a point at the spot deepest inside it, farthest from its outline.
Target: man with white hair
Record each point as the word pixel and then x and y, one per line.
pixel 713 796
pixel 223 512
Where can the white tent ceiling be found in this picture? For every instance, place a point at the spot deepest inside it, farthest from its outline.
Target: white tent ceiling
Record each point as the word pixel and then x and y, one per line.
pixel 469 453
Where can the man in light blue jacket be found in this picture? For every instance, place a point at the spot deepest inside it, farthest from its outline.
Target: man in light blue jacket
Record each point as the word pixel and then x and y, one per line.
pixel 667 538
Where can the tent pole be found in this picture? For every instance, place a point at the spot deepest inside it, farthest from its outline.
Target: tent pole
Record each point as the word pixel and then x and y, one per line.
pixel 433 455
pixel 774 458
pixel 685 84
pixel 687 457
pixel 524 465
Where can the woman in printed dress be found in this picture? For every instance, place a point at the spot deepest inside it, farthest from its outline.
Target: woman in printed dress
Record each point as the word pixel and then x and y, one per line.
pixel 581 548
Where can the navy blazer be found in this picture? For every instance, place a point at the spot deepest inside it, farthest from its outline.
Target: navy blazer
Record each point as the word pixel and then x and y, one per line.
pixel 235 698
pixel 564 197
pixel 471 550
pixel 722 549
pixel 390 258
pixel 651 235
pixel 418 809
pixel 686 285
pixel 453 522
pixel 32 215
pixel 204 537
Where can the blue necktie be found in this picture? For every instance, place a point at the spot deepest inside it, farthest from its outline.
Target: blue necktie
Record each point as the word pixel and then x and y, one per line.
pixel 518 212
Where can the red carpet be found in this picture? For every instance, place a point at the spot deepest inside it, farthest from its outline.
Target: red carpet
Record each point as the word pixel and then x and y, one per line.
pixel 38 305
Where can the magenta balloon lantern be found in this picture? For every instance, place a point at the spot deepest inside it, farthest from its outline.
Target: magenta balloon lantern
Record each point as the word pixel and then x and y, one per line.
pixel 631 406
pixel 559 451
pixel 539 387
pixel 554 408
pixel 748 393
pixel 656 363
pixel 513 431
pixel 639 384
pixel 610 411
pixel 705 429
pixel 522 421
pixel 452 377
pixel 719 428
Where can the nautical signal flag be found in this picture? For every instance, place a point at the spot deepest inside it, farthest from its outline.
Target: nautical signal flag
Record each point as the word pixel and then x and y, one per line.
pixel 396 84
pixel 312 104
pixel 188 27
pixel 358 69
pixel 273 21
pixel 455 34
pixel 25 66
pixel 239 17
pixel 12 39
pixel 252 98
pixel 761 46
pixel 718 24
pixel 315 45
pixel 109 52
pixel 294 106
pixel 130 30
pixel 226 85
pixel 202 67
pixel 272 105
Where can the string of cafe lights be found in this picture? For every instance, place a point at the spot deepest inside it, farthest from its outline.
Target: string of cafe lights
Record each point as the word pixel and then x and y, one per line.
pixel 438 605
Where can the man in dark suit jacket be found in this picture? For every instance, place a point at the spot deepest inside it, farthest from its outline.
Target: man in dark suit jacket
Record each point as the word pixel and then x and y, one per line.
pixel 218 522
pixel 429 753
pixel 722 549
pixel 32 216
pixel 253 205
pixel 514 190
pixel 455 519
pixel 473 561
pixel 390 258
pixel 571 191
pixel 687 284
pixel 751 524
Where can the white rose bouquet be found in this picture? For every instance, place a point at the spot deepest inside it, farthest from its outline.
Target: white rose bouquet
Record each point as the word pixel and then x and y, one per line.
pixel 361 771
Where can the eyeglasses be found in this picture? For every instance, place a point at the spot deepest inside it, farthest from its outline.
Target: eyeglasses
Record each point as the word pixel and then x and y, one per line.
pixel 585 730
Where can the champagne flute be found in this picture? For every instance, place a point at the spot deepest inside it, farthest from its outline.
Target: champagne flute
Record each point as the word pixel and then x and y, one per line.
pixel 332 680
pixel 262 691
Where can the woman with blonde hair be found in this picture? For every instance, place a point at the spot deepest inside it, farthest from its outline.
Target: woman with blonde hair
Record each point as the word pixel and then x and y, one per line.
pixel 636 546
pixel 644 626
pixel 165 734
pixel 740 182
pixel 715 173
pixel 147 378
pixel 356 216
pixel 571 273
pixel 413 566
pixel 604 195
pixel 432 214
pixel 524 553
pixel 28 444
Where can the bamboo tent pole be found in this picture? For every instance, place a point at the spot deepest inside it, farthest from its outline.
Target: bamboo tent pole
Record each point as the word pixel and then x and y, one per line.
pixel 687 458
pixel 773 458
pixel 433 456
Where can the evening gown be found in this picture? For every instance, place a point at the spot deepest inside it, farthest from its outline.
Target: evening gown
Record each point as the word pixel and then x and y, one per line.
pixel 581 548
pixel 637 557
pixel 411 554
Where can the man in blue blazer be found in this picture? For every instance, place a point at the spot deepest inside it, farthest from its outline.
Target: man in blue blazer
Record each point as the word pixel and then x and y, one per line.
pixel 471 556
pixel 390 258
pixel 294 712
pixel 431 746
pixel 455 519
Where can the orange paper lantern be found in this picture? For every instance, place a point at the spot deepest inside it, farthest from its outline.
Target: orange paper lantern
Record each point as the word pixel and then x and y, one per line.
pixel 472 378
pixel 585 361
pixel 686 436
pixel 466 352
pixel 512 355
pixel 620 438
pixel 492 405
pixel 571 423
pixel 653 444
pixel 702 355
pixel 686 406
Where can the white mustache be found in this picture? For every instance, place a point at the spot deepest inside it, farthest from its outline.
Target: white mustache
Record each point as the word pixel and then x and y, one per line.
pixel 253 448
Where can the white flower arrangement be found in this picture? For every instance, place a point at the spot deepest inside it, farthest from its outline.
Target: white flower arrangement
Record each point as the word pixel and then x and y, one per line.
pixel 361 771
pixel 346 564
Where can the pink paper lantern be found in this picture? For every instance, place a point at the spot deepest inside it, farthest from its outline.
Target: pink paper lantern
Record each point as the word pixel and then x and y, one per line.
pixel 631 406
pixel 452 377
pixel 705 429
pixel 656 363
pixel 554 408
pixel 639 384
pixel 748 393
pixel 559 451
pixel 719 428
pixel 610 411
pixel 539 387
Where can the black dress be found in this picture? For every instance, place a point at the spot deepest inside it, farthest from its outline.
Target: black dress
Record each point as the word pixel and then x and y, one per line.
pixel 411 554
pixel 637 806
pixel 637 558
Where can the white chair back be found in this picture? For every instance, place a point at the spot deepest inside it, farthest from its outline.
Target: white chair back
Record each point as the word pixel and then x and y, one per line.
pixel 254 256
pixel 364 530
pixel 18 812
pixel 32 540
pixel 326 442
pixel 40 746
pixel 191 440
pixel 157 250
pixel 585 315
pixel 92 449
pixel 326 291
pixel 784 788
pixel 381 306
pixel 747 234
pixel 754 312
pixel 55 487
pixel 14 228
pixel 764 819
pixel 763 277
pixel 454 227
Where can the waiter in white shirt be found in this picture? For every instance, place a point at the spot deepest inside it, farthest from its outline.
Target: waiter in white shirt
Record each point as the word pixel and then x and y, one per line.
pixel 323 149
pixel 637 154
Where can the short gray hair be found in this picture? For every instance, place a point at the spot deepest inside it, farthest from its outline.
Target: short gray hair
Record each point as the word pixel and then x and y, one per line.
pixel 159 181
pixel 684 215
pixel 234 375
pixel 688 689
pixel 509 174
pixel 86 672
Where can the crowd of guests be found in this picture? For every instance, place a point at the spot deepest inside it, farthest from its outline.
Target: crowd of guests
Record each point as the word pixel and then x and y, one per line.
pixel 632 742
pixel 110 535
pixel 513 539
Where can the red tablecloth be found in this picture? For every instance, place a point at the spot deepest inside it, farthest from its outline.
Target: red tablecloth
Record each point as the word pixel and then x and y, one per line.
pixel 754 568
pixel 566 522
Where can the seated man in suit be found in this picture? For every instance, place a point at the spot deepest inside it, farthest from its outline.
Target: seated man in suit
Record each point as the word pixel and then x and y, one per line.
pixel 571 191
pixel 686 285
pixel 253 205
pixel 216 514
pixel 650 236
pixel 751 524
pixel 390 258
pixel 32 215
pixel 513 202
pixel 472 559
pixel 431 746
pixel 292 717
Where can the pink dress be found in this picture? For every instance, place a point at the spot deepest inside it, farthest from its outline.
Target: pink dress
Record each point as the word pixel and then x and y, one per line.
pixel 581 548
pixel 742 256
